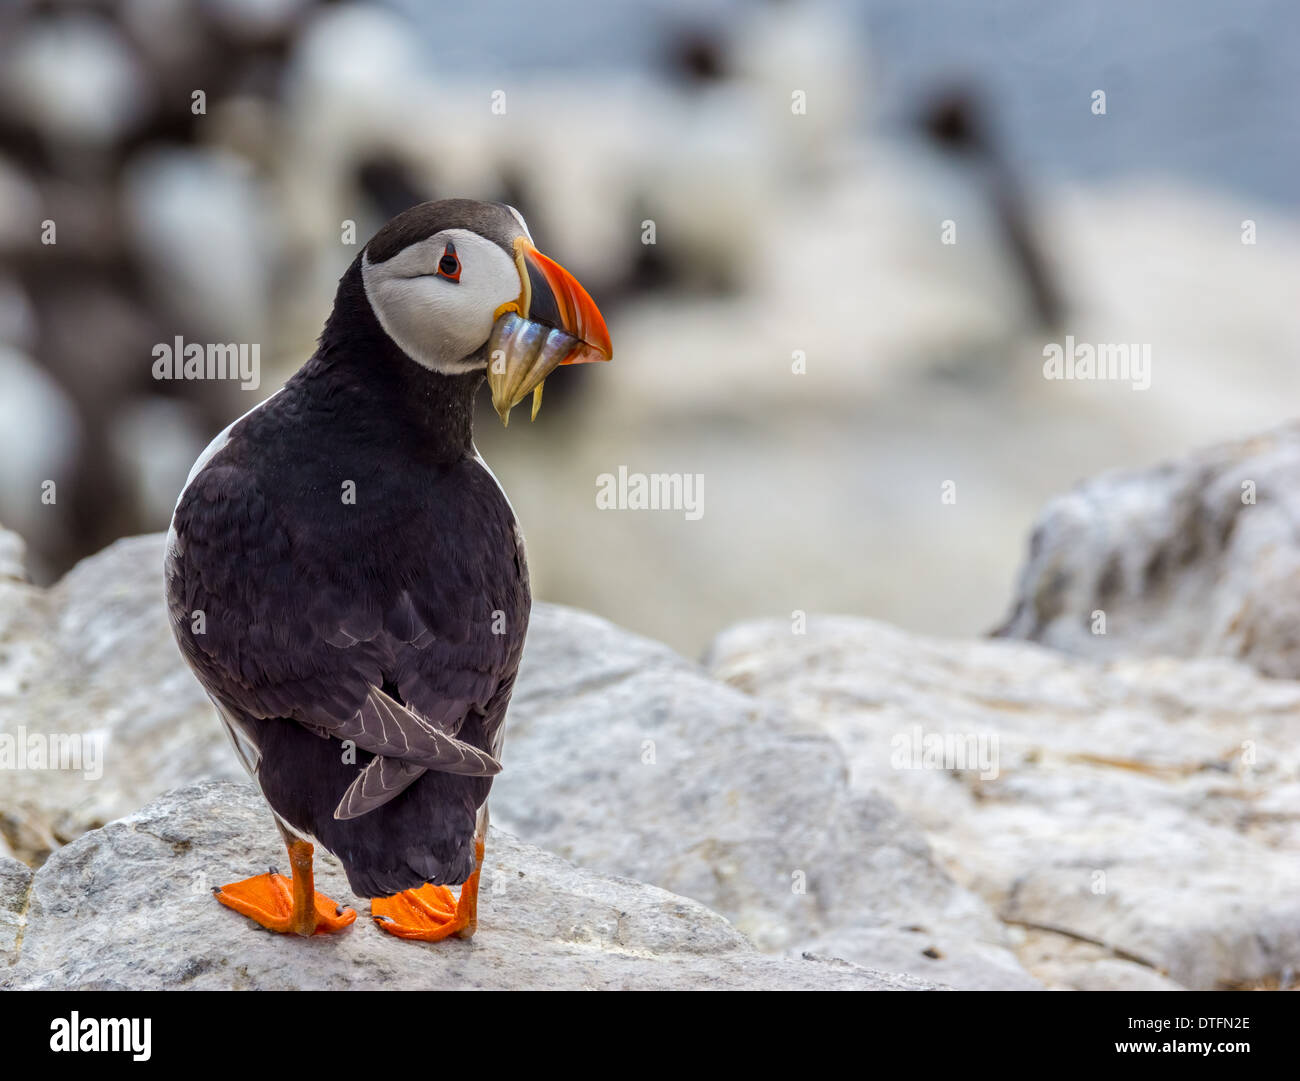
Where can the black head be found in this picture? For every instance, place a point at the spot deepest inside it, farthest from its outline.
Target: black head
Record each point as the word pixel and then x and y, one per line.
pixel 458 287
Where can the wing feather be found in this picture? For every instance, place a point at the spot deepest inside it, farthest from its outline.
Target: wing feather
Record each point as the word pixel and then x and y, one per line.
pixel 385 727
pixel 382 780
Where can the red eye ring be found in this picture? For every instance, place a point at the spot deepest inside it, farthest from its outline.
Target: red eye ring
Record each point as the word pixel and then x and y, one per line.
pixel 449 264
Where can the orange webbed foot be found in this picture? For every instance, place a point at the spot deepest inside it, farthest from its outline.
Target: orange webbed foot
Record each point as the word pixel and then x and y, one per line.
pixel 284 905
pixel 268 899
pixel 431 913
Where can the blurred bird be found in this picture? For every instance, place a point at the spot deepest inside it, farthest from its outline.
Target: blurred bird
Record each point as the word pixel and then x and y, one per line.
pixel 956 122
pixel 347 580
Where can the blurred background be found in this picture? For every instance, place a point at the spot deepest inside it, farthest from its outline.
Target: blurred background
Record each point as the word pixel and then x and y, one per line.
pixel 798 333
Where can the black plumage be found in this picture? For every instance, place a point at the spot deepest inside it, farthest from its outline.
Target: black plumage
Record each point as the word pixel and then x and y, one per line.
pixel 321 618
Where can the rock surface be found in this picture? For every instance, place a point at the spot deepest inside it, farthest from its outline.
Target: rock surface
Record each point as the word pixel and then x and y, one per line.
pixel 1141 830
pixel 626 758
pixel 93 657
pixel 1192 558
pixel 15 885
pixel 1151 806
pixel 620 756
pixel 128 907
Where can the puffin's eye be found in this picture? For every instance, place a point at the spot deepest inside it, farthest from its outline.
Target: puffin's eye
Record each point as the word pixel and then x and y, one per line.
pixel 449 265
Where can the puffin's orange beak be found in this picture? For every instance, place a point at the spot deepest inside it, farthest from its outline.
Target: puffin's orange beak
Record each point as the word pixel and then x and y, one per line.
pixel 559 301
pixel 553 322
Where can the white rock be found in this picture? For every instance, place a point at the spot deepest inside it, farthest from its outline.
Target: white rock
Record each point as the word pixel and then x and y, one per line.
pixel 1192 558
pixel 15 886
pixel 1149 804
pixel 93 658
pixel 129 907
pixel 626 758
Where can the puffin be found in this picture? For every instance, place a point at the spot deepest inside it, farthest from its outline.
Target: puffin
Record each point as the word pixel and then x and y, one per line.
pixel 347 580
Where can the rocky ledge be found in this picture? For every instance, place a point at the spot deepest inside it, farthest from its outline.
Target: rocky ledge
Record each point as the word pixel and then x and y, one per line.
pixel 621 756
pixel 129 907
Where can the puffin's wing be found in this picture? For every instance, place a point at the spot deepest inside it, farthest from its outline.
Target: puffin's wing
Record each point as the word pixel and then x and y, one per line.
pixel 386 777
pixel 385 727
pixel 382 780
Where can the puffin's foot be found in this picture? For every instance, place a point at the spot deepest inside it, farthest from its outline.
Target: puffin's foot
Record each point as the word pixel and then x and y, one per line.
pixel 284 905
pixel 432 913
pixel 268 899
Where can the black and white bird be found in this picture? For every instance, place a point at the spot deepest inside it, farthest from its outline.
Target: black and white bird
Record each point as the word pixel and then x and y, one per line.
pixel 347 580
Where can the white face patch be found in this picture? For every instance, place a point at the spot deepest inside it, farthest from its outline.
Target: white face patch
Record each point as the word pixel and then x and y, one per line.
pixel 437 322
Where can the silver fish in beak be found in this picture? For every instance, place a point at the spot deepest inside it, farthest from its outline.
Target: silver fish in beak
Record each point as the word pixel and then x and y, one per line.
pixel 553 322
